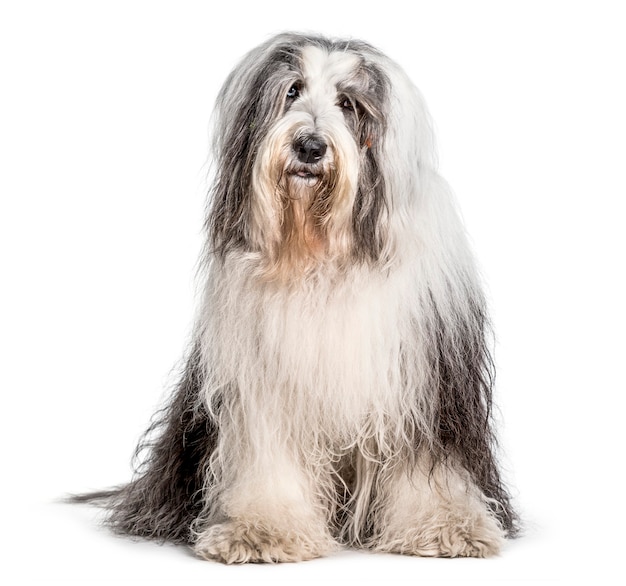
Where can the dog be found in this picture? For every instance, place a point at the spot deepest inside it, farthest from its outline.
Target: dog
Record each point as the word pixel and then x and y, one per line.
pixel 337 390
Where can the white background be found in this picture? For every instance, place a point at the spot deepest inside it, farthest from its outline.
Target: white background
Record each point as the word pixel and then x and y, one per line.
pixel 104 110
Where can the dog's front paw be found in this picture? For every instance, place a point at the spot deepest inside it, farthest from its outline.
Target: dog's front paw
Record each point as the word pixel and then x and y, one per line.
pixel 239 541
pixel 447 535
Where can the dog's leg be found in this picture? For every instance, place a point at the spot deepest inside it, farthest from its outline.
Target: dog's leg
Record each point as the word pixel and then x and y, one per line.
pixel 267 513
pixel 434 512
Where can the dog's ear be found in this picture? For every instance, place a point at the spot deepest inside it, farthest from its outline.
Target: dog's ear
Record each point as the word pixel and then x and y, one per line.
pixel 371 205
pixel 250 100
pixel 370 212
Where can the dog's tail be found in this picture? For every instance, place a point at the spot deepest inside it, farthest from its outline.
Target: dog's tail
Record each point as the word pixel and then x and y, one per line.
pixel 165 497
pixel 98 497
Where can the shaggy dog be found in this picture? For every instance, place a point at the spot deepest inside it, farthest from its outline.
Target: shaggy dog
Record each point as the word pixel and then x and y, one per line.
pixel 338 387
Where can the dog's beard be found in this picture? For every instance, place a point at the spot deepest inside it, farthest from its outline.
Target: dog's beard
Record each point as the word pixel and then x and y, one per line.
pixel 306 193
pixel 302 211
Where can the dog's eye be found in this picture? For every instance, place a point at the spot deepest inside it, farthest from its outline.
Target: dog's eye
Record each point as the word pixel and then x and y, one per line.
pixel 293 92
pixel 349 106
pixel 346 103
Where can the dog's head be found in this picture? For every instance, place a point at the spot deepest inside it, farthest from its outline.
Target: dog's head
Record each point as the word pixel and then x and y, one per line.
pixel 302 151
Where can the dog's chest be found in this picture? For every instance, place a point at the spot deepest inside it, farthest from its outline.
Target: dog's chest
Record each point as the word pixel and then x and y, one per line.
pixel 339 354
pixel 329 355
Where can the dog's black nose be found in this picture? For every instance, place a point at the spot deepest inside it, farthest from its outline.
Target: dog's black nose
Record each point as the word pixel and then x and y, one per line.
pixel 310 149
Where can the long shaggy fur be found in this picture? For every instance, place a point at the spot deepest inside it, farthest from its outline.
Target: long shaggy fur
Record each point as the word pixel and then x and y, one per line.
pixel 339 385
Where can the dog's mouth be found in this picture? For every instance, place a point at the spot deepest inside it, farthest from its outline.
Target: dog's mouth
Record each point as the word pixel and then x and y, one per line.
pixel 308 175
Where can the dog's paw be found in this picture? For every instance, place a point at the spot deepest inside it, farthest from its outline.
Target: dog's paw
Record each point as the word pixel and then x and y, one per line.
pixel 478 537
pixel 237 542
pixel 451 535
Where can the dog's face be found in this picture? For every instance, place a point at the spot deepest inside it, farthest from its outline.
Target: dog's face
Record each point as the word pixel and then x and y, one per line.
pixel 307 173
pixel 299 155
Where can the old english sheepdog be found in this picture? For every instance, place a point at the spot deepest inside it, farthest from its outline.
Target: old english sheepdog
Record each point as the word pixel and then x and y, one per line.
pixel 337 390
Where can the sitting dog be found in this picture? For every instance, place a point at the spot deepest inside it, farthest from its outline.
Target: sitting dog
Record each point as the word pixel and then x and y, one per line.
pixel 338 386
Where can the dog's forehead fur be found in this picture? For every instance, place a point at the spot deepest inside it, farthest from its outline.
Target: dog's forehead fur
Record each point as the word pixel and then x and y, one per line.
pixel 327 75
pixel 327 78
pixel 324 70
